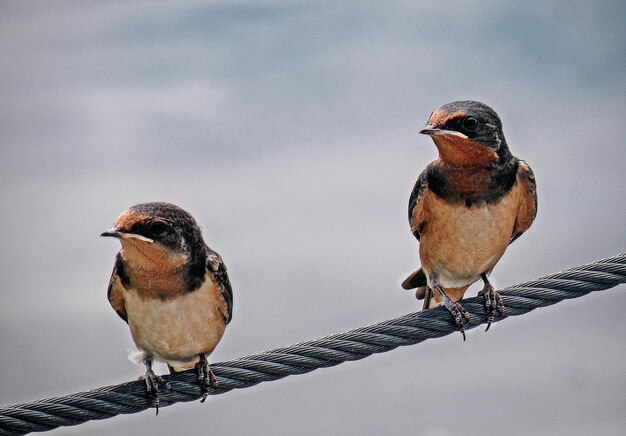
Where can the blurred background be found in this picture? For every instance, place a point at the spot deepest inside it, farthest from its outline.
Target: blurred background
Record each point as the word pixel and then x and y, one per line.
pixel 290 131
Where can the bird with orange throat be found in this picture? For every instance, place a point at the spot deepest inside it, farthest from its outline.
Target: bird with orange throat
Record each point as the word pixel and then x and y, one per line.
pixel 171 289
pixel 467 207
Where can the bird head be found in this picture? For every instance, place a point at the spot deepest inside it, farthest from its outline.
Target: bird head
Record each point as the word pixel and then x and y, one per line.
pixel 152 232
pixel 467 132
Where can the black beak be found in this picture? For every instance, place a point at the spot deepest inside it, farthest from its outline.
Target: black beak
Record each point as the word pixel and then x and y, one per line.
pixel 111 233
pixel 429 130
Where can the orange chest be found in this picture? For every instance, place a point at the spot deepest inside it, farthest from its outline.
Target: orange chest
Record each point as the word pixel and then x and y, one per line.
pixel 465 241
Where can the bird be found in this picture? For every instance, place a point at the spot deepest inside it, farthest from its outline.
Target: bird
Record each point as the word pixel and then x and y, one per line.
pixel 467 207
pixel 171 289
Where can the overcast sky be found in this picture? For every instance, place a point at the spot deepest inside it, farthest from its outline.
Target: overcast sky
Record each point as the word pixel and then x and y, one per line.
pixel 290 131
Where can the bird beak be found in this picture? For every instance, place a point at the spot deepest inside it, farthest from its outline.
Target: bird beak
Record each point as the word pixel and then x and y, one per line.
pixel 112 232
pixel 432 130
pixel 429 130
pixel 115 233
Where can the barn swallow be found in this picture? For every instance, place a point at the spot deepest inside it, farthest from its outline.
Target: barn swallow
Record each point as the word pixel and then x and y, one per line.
pixel 171 289
pixel 467 207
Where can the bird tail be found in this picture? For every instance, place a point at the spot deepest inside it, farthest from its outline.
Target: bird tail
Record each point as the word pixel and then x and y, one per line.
pixel 415 280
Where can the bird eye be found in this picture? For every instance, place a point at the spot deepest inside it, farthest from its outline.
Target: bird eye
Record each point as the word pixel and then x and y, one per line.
pixel 158 228
pixel 470 123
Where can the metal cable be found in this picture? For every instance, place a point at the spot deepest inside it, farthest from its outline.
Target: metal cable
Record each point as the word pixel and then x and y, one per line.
pixel 131 397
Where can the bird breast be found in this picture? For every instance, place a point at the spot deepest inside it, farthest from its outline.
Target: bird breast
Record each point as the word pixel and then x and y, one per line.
pixel 459 243
pixel 175 330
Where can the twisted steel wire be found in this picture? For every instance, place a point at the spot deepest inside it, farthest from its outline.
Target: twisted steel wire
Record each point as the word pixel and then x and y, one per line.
pixel 131 397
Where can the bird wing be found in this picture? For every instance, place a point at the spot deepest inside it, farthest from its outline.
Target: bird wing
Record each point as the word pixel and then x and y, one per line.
pixel 114 293
pixel 527 209
pixel 416 204
pixel 416 221
pixel 216 266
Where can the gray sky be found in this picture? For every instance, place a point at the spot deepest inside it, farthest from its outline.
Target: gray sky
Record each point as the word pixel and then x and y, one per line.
pixel 290 131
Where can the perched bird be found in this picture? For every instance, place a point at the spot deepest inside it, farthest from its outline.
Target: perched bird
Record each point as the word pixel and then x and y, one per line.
pixel 171 289
pixel 467 207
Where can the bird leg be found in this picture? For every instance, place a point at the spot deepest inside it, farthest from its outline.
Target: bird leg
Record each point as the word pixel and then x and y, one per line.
pixel 205 377
pixel 460 315
pixel 152 382
pixel 493 301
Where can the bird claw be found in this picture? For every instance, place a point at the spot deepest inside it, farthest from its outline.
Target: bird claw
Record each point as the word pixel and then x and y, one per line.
pixel 205 377
pixel 152 382
pixel 458 312
pixel 493 302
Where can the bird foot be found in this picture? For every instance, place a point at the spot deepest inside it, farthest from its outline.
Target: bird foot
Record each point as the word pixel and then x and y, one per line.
pixel 458 312
pixel 493 302
pixel 152 382
pixel 205 377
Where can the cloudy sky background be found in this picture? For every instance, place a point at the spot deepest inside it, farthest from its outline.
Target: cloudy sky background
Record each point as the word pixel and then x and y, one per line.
pixel 290 131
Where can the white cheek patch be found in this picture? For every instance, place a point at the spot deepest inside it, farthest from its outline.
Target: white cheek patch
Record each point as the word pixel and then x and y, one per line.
pixel 134 236
pixel 449 133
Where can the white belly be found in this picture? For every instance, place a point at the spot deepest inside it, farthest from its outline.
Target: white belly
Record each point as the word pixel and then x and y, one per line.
pixel 178 329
